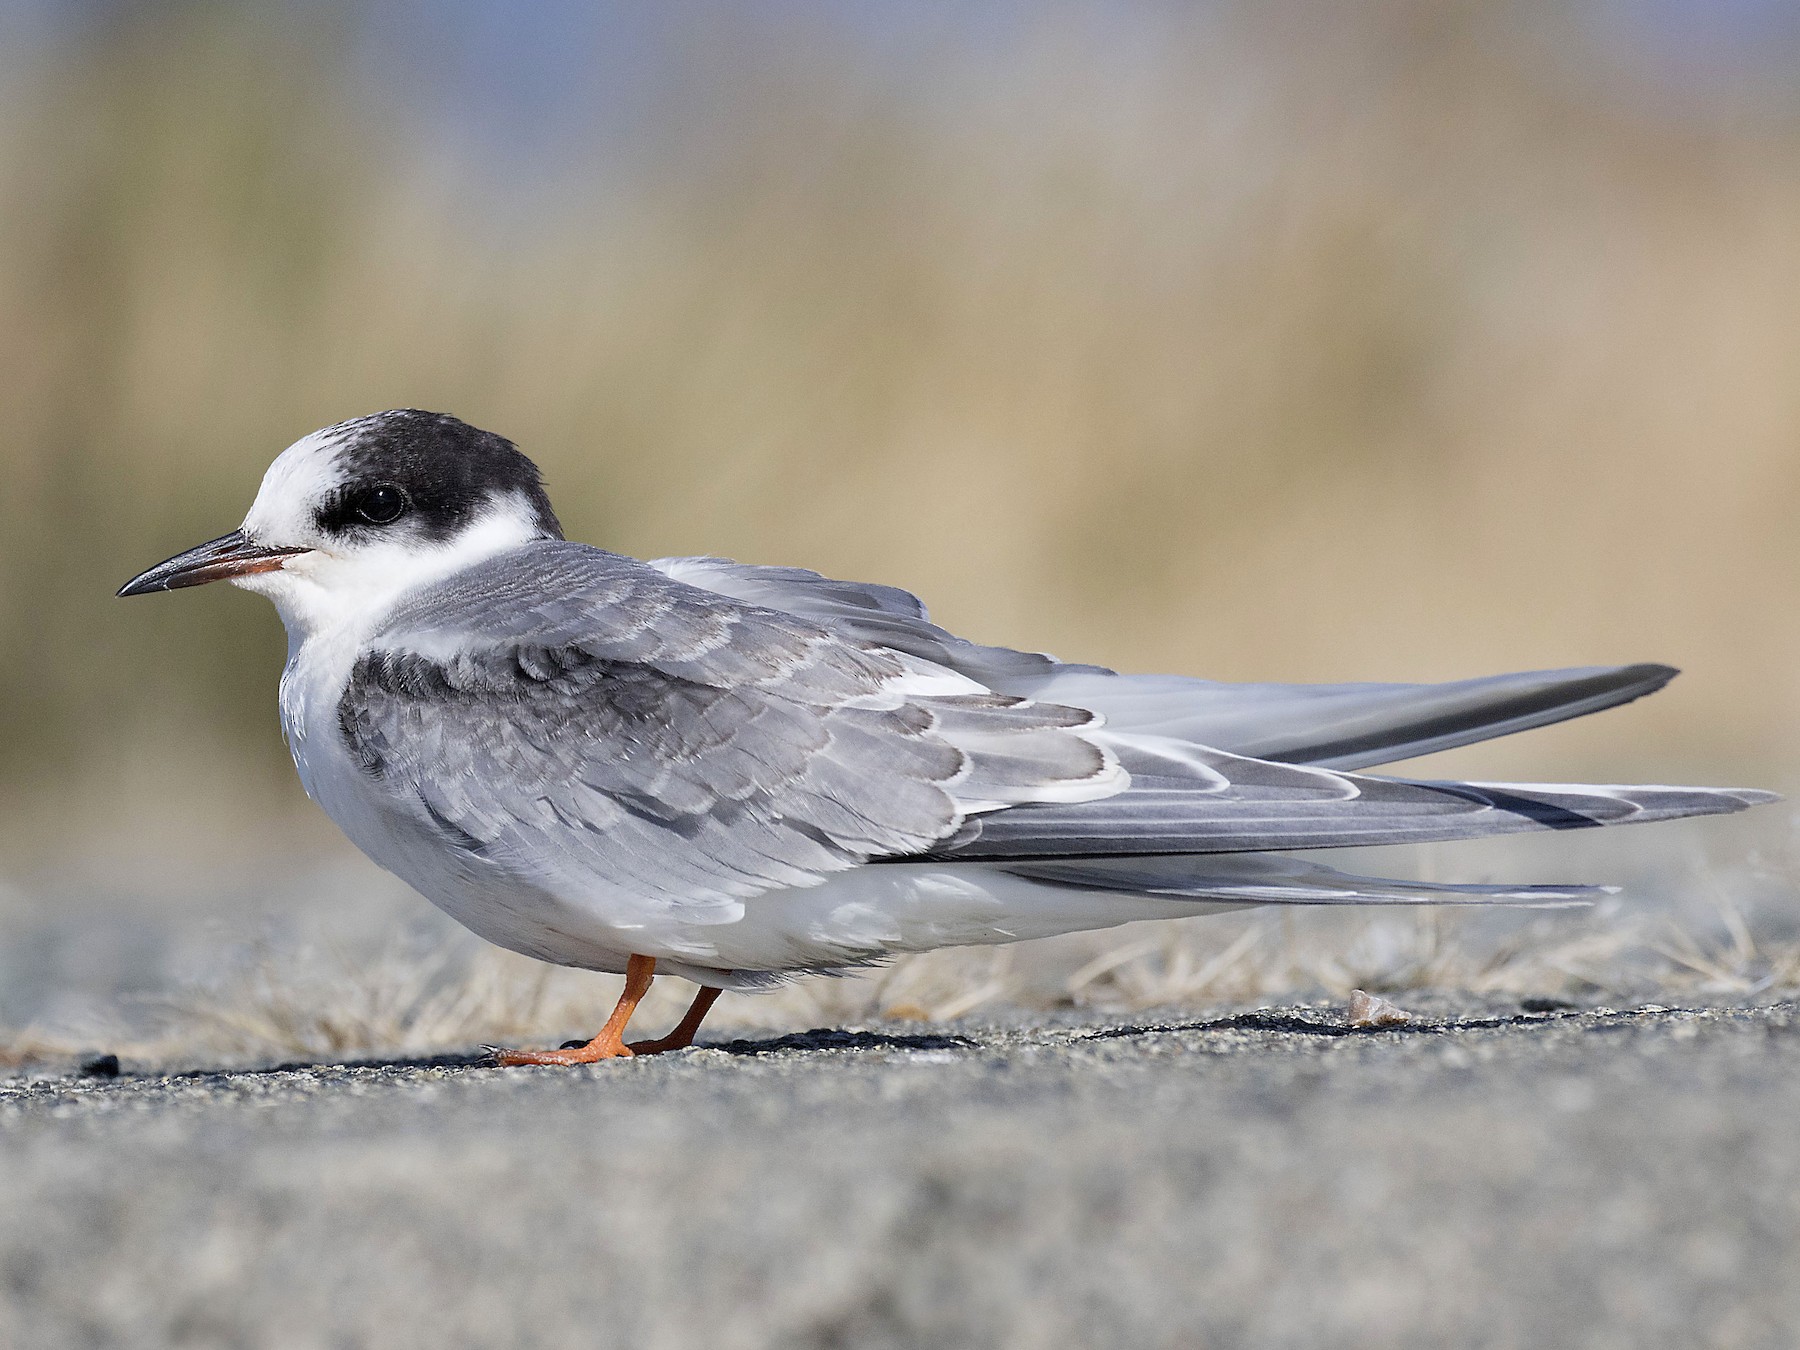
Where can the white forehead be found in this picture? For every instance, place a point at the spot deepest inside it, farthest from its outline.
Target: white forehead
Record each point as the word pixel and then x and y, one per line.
pixel 301 477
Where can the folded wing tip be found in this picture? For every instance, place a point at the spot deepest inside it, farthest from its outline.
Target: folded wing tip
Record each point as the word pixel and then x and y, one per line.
pixel 1729 801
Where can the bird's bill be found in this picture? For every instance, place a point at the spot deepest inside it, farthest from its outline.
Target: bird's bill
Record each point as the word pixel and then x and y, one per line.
pixel 233 555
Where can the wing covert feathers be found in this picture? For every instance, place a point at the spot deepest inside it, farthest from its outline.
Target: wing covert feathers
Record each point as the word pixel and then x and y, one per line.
pixel 586 717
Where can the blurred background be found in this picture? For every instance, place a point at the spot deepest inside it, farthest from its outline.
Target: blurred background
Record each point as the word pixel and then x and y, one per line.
pixel 1402 340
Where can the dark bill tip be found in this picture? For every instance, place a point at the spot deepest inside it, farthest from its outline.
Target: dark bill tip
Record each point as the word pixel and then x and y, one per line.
pixel 232 555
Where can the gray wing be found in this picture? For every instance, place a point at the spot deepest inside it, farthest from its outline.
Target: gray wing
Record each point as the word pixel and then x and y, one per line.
pixel 1340 726
pixel 1224 768
pixel 572 717
pixel 567 715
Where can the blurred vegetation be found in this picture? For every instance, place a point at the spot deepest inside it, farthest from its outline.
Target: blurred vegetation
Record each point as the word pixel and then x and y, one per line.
pixel 1391 341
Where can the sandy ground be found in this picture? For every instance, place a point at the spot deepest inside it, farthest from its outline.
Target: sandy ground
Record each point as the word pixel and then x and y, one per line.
pixel 1487 1176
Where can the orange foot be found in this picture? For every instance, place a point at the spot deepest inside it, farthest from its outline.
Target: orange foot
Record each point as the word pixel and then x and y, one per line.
pixel 610 1043
pixel 592 1053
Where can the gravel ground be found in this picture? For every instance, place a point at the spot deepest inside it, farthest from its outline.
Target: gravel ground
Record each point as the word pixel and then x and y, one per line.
pixel 1485 1176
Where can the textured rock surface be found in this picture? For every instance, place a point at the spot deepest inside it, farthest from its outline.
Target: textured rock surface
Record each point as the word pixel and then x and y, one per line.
pixel 1480 1176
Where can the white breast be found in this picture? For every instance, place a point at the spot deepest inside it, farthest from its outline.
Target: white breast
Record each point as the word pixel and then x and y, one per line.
pixel 333 607
pixel 395 833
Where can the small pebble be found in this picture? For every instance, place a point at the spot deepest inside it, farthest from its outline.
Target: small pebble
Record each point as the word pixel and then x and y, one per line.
pixel 100 1066
pixel 1546 1005
pixel 1370 1010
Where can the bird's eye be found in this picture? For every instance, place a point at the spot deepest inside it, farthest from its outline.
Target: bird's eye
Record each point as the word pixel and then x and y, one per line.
pixel 381 505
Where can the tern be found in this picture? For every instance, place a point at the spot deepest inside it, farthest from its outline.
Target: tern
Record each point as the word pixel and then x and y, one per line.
pixel 736 774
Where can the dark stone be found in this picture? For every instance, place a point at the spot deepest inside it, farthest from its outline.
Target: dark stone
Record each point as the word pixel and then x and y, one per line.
pixel 100 1066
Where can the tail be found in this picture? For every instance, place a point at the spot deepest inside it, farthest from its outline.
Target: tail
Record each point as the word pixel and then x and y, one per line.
pixel 1266 879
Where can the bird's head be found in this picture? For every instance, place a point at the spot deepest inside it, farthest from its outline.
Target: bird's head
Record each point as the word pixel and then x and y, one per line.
pixel 353 516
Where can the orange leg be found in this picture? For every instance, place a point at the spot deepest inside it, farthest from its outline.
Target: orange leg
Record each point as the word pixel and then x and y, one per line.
pixel 683 1035
pixel 610 1043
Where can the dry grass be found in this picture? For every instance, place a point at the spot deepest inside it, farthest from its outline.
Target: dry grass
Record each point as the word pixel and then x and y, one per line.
pixel 451 995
